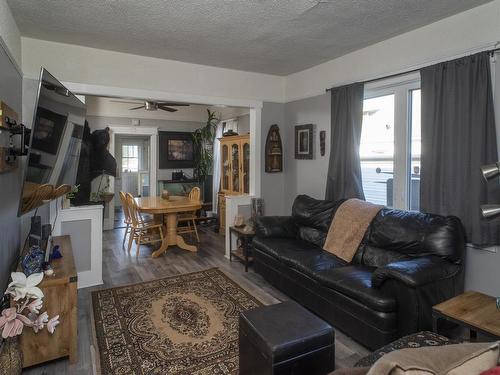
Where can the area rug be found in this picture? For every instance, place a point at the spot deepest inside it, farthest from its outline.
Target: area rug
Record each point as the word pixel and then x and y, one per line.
pixel 185 324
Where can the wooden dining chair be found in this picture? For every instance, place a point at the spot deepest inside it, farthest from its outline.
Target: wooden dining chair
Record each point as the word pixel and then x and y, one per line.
pixel 189 218
pixel 127 219
pixel 141 231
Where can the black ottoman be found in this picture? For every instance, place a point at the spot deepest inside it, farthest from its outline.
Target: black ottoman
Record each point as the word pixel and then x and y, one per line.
pixel 285 339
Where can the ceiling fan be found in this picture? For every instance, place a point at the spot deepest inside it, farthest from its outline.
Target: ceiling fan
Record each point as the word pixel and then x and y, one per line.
pixel 149 105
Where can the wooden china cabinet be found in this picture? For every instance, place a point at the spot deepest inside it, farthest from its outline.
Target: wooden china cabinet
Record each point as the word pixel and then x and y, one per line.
pixel 235 171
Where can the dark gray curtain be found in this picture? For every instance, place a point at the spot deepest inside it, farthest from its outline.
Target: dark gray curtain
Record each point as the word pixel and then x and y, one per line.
pixel 344 170
pixel 458 136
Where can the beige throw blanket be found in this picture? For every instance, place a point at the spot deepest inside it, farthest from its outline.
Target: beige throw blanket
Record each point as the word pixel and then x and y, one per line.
pixel 349 226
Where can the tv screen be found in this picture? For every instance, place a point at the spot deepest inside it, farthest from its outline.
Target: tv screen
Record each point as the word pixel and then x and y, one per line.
pixel 56 136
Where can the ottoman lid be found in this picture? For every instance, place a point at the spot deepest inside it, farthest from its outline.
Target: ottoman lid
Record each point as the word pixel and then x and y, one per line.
pixel 285 330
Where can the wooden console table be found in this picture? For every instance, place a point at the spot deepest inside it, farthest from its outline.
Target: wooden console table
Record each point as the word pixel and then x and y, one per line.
pixel 476 311
pixel 60 298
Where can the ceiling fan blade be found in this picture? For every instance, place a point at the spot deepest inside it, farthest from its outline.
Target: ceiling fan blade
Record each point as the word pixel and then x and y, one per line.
pixel 174 104
pixel 131 109
pixel 126 101
pixel 168 109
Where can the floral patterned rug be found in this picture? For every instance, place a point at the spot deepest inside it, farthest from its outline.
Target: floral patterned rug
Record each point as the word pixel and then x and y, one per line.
pixel 185 324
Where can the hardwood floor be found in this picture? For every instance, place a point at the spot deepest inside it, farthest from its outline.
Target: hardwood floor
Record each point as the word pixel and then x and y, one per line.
pixel 120 268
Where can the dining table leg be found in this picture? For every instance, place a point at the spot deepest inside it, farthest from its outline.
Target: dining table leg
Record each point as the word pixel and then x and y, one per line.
pixel 172 238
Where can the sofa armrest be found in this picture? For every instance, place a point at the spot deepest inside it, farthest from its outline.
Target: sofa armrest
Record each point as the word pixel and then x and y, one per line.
pixel 275 226
pixel 416 272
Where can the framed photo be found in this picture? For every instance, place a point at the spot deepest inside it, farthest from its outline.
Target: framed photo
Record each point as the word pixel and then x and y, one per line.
pixel 47 131
pixel 304 141
pixel 176 150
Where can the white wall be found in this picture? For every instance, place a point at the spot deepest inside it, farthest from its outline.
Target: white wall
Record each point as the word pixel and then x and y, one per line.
pixel 10 38
pixel 478 28
pixel 77 64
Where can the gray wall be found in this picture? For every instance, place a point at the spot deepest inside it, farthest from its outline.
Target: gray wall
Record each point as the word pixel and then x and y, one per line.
pixel 10 182
pixel 307 176
pixel 273 184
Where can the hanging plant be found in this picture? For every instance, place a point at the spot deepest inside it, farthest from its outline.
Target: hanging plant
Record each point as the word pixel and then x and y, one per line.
pixel 203 139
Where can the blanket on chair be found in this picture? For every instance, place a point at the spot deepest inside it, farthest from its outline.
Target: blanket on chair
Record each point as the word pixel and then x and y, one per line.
pixel 348 227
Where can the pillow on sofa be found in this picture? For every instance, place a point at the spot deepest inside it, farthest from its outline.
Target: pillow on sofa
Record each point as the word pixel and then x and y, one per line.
pixel 460 359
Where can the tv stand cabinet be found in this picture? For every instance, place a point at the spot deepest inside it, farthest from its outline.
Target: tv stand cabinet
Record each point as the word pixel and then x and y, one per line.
pixel 60 298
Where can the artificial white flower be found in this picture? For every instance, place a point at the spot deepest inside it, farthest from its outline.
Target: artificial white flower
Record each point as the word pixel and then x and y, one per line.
pixel 39 322
pixel 51 325
pixel 35 306
pixel 22 286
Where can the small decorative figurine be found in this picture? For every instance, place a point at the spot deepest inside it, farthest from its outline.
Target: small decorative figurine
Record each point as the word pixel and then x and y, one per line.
pixel 33 261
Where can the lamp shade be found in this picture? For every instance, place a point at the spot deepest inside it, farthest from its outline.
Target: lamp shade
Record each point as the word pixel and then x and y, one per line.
pixel 489 211
pixel 490 171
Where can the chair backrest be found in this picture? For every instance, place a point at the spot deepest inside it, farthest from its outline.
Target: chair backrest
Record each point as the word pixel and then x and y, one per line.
pixel 195 194
pixel 135 216
pixel 126 213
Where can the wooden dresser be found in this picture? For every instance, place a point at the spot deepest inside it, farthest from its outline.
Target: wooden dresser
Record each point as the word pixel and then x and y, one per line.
pixel 235 171
pixel 60 298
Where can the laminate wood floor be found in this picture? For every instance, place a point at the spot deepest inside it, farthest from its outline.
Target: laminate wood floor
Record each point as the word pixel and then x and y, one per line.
pixel 120 268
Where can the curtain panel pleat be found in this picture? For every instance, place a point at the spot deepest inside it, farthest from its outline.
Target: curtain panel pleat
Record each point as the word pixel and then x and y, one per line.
pixel 344 169
pixel 458 136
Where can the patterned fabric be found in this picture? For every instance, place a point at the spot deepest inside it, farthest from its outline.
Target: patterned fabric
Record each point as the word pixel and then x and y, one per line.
pixel 417 340
pixel 186 324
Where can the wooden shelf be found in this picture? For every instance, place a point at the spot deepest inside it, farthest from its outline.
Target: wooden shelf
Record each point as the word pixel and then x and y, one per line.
pixel 274 151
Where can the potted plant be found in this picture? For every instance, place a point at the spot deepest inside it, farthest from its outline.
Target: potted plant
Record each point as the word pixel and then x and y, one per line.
pixel 103 194
pixel 25 311
pixel 203 139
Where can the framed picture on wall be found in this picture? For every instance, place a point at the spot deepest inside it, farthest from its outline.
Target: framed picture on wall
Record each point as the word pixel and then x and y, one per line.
pixel 304 141
pixel 176 150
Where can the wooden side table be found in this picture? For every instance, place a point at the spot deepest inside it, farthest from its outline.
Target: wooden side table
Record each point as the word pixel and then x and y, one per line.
pixel 243 254
pixel 476 311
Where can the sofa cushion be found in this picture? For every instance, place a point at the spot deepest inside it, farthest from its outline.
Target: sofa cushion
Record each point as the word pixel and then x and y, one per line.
pixel 312 235
pixel 416 234
pixel 315 213
pixel 276 246
pixel 356 282
pixel 310 262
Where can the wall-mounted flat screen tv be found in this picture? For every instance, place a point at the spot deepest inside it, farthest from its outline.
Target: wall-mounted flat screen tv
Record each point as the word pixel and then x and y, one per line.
pixel 56 137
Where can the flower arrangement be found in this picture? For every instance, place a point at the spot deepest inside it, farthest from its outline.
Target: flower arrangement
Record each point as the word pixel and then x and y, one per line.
pixel 28 298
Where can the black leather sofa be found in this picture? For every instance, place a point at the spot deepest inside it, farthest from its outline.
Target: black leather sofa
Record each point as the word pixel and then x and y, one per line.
pixel 406 263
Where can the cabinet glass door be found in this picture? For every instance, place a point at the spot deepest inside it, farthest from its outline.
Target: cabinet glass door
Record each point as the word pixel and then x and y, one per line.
pixel 226 170
pixel 235 163
pixel 246 167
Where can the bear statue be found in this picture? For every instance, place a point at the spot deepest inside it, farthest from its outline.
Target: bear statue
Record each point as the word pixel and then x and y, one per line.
pixel 95 160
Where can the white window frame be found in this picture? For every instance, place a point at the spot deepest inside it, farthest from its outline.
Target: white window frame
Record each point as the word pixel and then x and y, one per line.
pixel 130 157
pixel 401 88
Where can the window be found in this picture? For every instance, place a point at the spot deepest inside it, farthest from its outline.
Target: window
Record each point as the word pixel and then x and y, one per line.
pixel 390 145
pixel 130 158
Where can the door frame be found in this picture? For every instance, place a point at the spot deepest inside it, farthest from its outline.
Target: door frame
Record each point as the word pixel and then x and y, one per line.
pixel 152 132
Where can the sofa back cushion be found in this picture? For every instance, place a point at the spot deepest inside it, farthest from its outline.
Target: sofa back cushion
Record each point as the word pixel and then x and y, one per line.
pixel 397 235
pixel 314 213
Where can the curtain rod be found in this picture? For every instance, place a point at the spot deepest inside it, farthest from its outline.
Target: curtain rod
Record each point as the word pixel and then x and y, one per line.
pixel 491 51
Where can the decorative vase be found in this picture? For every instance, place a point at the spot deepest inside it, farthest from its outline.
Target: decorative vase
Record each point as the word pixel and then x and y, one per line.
pixel 165 195
pixel 11 357
pixel 66 203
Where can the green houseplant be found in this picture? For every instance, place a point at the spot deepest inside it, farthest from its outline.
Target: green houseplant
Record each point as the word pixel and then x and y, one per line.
pixel 203 139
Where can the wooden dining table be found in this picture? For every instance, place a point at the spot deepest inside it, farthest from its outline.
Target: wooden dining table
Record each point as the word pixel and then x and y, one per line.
pixel 168 210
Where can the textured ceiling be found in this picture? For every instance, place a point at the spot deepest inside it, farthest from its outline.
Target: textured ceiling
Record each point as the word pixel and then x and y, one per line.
pixel 269 36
